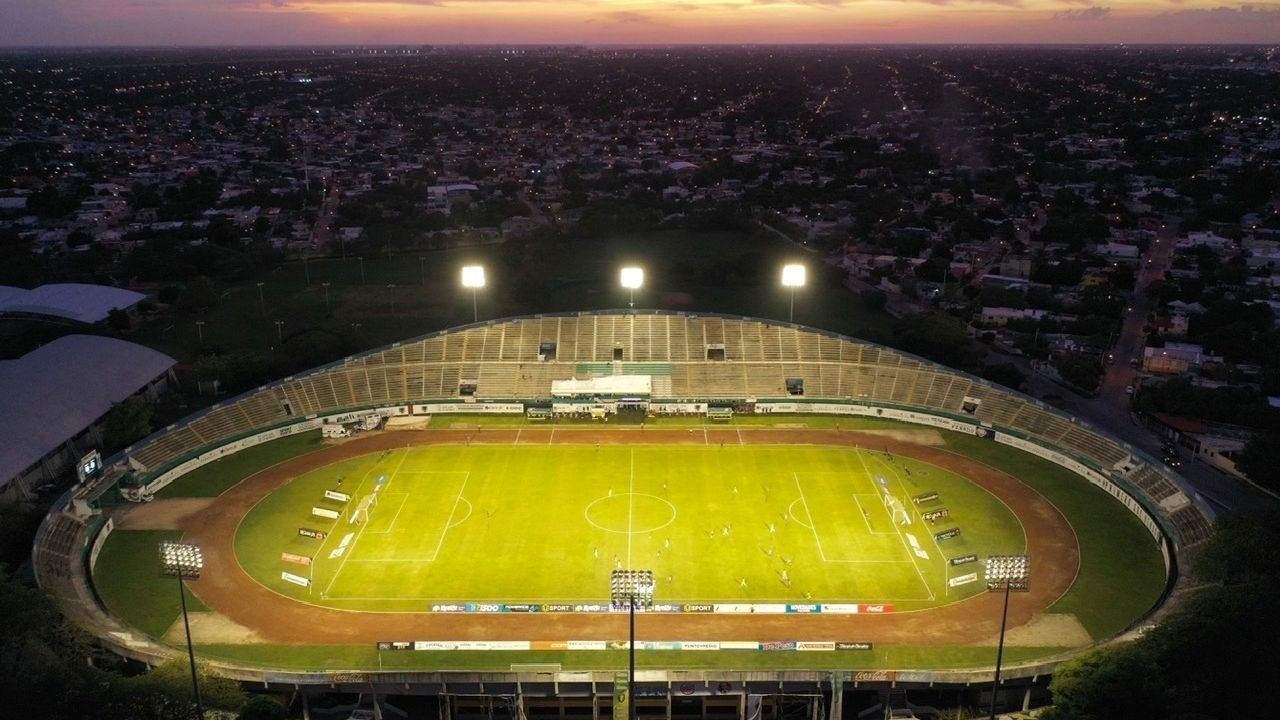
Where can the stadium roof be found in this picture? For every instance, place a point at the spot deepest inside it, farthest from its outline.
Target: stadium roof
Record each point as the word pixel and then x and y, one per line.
pixel 54 392
pixel 72 301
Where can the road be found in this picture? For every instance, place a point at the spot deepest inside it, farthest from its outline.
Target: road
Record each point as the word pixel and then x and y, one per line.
pixel 1110 409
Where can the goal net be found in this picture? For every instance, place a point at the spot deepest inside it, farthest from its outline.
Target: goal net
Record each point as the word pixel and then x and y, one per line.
pixel 363 509
pixel 896 509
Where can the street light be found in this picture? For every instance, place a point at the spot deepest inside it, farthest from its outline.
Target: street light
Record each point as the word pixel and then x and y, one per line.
pixel 391 289
pixel 200 331
pixel 631 589
pixel 182 560
pixel 792 277
pixel 1005 572
pixel 280 331
pixel 361 259
pixel 473 277
pixel 326 297
pixel 262 303
pixel 632 278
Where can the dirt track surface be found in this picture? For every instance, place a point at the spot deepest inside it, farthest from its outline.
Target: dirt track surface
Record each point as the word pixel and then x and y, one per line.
pixel 230 592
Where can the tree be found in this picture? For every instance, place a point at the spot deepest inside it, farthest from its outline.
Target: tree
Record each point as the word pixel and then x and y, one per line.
pixel 1260 459
pixel 126 421
pixel 1108 682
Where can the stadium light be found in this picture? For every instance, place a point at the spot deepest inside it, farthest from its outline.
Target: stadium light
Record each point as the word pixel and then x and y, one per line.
pixel 182 560
pixel 473 277
pixel 632 278
pixel 792 277
pixel 1005 572
pixel 629 589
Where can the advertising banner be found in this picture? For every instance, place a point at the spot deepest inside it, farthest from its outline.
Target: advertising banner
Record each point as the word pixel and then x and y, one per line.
pixel 621 696
pixel 852 645
pixel 935 515
pixel 963 559
pixel 811 646
pixel 335 495
pixel 324 513
pixel 947 534
pixel 928 497
pixel 959 580
pixel 295 579
pixel 309 533
pixel 295 558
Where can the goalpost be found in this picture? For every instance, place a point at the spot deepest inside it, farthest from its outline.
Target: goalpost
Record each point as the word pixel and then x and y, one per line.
pixel 364 509
pixel 897 511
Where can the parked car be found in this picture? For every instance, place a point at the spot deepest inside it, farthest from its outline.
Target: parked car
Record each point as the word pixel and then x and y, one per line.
pixel 1172 461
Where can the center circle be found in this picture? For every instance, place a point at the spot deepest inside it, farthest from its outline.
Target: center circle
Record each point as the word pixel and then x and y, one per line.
pixel 625 513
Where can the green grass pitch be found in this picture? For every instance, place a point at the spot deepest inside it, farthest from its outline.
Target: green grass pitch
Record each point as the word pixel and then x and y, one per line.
pixel 547 524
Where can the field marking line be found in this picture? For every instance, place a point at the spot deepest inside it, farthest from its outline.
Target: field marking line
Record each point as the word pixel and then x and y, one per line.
pixel 448 520
pixel 631 505
pixel 351 549
pixel 331 532
pixel 813 525
pixel 905 546
pixel 517 440
pixel 866 520
pixel 740 440
pixel 551 436
pixel 404 496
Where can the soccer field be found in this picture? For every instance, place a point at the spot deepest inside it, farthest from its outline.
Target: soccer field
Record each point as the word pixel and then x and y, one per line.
pixel 547 524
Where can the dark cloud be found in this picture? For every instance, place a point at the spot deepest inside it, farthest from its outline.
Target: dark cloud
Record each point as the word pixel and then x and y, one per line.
pixel 1088 14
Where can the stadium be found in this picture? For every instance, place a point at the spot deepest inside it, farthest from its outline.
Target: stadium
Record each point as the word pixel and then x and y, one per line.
pixel 465 515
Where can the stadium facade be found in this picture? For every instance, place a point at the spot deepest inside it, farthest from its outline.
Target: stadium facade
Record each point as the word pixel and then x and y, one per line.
pixel 708 363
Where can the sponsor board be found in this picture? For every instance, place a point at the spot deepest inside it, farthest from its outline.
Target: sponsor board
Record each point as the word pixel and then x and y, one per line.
pixel 698 645
pixel 935 515
pixel 524 607
pixel 965 579
pixel 872 676
pixel 778 645
pixel 812 646
pixel 947 534
pixel 387 645
pixel 739 645
pixel 589 607
pixel 295 579
pixel 557 607
pixel 667 608
pixel 469 408
pixel 549 645
pixel 768 608
pixel 335 495
pixel 876 609
pixel 309 533
pixel 432 645
pixel 585 645
pixel 698 608
pixel 852 645
pixel 804 608
pixel 295 558
pixel 963 559
pixel 931 496
pixel 449 607
pixel 731 608
pixel 324 512
pixel 349 678
pixel 914 676
pixel 839 608
pixel 486 607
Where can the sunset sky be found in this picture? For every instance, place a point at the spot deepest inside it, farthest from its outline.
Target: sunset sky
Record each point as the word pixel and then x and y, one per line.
pixel 391 22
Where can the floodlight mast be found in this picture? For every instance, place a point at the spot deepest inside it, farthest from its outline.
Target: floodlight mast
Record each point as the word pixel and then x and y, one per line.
pixel 183 560
pixel 793 277
pixel 1007 572
pixel 632 587
pixel 473 277
pixel 632 278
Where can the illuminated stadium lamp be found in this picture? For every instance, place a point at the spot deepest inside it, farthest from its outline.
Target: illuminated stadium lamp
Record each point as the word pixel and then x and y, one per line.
pixel 1005 572
pixel 473 277
pixel 631 588
pixel 632 278
pixel 792 277
pixel 182 560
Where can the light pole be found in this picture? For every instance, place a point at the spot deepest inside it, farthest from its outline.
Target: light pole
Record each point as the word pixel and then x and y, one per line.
pixel 422 265
pixel 391 290
pixel 306 269
pixel 200 331
pixel 262 303
pixel 181 560
pixel 361 259
pixel 792 277
pixel 473 277
pixel 1005 572
pixel 280 331
pixel 631 278
pixel 326 297
pixel 631 589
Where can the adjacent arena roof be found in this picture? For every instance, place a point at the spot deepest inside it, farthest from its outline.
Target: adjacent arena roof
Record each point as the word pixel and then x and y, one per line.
pixel 51 394
pixel 71 301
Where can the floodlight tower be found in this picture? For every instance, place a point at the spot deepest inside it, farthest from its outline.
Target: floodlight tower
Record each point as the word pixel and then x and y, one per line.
pixel 182 560
pixel 473 277
pixel 1005 572
pixel 631 588
pixel 792 277
pixel 632 278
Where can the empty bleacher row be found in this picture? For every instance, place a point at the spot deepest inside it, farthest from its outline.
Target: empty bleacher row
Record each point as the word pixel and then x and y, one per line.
pixel 519 359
